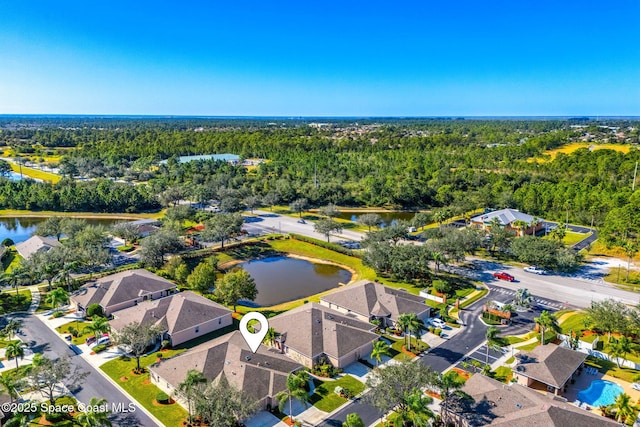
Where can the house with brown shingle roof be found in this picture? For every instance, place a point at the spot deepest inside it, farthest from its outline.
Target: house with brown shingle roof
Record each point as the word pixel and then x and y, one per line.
pixel 182 316
pixel 312 333
pixel 35 244
pixel 548 366
pixel 368 300
pixel 122 290
pixel 492 403
pixel 260 375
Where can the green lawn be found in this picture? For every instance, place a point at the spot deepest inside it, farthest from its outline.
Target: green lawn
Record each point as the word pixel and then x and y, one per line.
pixel 11 260
pixel 142 390
pixel 79 326
pixel 571 238
pixel 574 323
pixel 503 374
pixel 473 297
pixel 11 302
pixel 610 368
pixel 324 397
pixel 514 339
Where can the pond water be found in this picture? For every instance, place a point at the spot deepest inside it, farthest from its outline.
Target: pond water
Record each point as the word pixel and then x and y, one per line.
pixel 388 217
pixel 15 176
pixel 20 229
pixel 282 279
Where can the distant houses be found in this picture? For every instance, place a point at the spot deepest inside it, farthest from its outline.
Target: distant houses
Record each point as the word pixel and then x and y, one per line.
pixel 226 157
pixel 367 301
pixel 512 219
pixel 313 333
pixel 261 375
pixel 35 244
pixel 122 290
pixel 182 316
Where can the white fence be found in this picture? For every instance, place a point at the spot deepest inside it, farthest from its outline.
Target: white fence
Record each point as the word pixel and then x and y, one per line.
pixel 425 294
pixel 589 348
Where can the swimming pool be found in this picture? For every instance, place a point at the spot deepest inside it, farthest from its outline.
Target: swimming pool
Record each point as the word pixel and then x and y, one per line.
pixel 600 392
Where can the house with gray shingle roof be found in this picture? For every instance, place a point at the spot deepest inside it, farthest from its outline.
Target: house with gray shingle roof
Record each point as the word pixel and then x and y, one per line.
pixel 182 316
pixel 122 290
pixel 508 218
pixel 261 375
pixel 312 333
pixel 366 300
pixel 35 244
pixel 549 365
pixel 492 403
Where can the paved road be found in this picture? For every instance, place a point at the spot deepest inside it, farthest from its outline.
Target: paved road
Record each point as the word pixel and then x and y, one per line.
pixel 41 339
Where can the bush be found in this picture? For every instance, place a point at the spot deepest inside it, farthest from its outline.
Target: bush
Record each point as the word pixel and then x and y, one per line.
pixel 125 248
pixel 58 314
pixel 66 400
pixel 162 398
pixel 95 310
pixel 56 417
pixel 7 242
pixel 165 344
pixel 99 348
pixel 159 355
pixel 441 286
pixel 437 331
pixel 73 331
pixel 331 246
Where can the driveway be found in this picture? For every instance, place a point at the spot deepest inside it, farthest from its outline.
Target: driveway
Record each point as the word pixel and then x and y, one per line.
pixel 43 340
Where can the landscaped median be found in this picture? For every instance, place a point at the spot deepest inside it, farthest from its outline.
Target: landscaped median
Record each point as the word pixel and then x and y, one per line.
pixel 139 386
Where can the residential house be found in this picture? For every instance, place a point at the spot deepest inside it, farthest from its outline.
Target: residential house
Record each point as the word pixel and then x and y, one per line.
pixel 548 367
pixel 122 290
pixel 366 301
pixel 492 403
pixel 35 244
pixel 261 375
pixel 182 316
pixel 510 219
pixel 313 333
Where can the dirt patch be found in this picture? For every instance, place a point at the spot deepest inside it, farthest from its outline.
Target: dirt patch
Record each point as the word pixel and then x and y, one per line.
pixel 147 381
pixel 124 379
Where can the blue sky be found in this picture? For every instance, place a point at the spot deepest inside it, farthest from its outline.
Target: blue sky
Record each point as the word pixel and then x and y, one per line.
pixel 333 58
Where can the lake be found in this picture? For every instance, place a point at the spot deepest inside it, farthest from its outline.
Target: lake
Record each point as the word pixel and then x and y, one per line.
pixel 281 279
pixel 388 217
pixel 20 229
pixel 15 176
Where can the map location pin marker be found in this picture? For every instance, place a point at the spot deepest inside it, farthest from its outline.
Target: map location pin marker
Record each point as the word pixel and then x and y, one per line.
pixel 253 339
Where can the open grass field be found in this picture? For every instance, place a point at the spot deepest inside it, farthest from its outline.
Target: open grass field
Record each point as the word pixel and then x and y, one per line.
pixel 573 323
pixel 36 173
pixel 550 155
pixel 140 387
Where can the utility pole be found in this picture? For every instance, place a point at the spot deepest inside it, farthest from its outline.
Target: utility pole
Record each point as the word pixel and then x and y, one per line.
pixel 635 173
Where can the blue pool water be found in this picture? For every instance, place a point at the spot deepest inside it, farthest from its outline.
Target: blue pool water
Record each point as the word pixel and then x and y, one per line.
pixel 600 392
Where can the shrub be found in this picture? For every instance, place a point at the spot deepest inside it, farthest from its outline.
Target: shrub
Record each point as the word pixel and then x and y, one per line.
pixel 56 417
pixel 73 331
pixel 125 248
pixel 58 314
pixel 159 355
pixel 437 331
pixel 441 286
pixel 95 310
pixel 66 400
pixel 162 397
pixel 99 348
pixel 7 242
pixel 165 344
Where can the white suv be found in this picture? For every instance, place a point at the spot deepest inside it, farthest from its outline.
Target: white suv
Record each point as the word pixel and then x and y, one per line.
pixel 438 323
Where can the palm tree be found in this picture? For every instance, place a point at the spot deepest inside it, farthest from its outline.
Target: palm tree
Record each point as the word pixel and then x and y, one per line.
pixel 494 342
pixel 410 323
pixel 380 348
pixel 190 387
pixel 415 410
pixel 15 278
pixel 353 420
pixel 523 298
pixel 546 321
pixel 57 297
pixel 520 225
pixel 438 258
pixel 11 383
pixel 449 385
pixel 620 348
pixel 95 418
pixel 623 408
pixel 15 348
pixel 98 326
pixel 296 389
pixel 12 328
pixel 271 336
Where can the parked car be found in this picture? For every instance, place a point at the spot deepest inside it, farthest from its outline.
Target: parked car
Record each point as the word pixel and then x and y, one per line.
pixel 438 323
pixel 103 340
pixel 504 276
pixel 535 270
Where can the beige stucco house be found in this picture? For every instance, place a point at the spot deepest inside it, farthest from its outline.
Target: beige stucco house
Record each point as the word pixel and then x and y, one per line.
pixel 366 301
pixel 313 332
pixel 260 375
pixel 182 316
pixel 122 290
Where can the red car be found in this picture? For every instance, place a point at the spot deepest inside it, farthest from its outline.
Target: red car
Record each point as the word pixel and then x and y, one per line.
pixel 504 276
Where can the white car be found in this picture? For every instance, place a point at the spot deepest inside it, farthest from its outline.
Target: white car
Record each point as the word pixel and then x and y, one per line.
pixel 535 270
pixel 438 323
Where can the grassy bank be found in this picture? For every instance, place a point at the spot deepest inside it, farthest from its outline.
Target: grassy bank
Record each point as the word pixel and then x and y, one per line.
pixel 36 173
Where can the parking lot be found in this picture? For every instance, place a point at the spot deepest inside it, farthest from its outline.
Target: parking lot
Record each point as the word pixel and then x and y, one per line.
pixel 479 355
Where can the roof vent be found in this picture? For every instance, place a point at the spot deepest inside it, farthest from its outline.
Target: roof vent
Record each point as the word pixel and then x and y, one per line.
pixel 228 362
pixel 247 358
pixel 519 406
